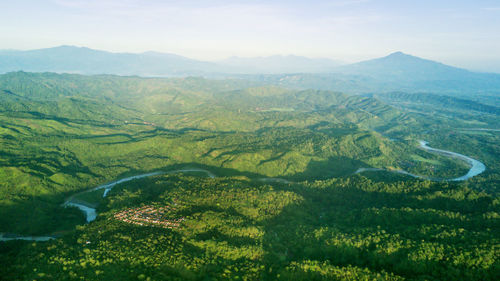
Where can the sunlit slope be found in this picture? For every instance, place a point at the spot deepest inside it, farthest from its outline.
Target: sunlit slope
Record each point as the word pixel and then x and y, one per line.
pixel 62 133
pixel 222 105
pixel 236 228
pixel 45 159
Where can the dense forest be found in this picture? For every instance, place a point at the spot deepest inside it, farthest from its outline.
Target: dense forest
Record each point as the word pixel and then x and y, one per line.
pixel 235 228
pixel 286 203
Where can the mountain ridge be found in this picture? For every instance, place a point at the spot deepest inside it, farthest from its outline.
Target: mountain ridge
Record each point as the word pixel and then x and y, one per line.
pixel 84 60
pixel 319 65
pixel 397 71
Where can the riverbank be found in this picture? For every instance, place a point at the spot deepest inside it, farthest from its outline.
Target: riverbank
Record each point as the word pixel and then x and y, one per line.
pixel 90 212
pixel 476 168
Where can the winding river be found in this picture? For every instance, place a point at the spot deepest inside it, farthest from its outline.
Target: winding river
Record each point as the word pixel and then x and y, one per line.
pixel 476 168
pixel 91 214
pixel 89 210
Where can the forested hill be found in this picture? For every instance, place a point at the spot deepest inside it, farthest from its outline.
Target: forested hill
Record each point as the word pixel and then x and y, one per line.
pixel 304 184
pixel 113 98
pixel 64 132
pixel 233 228
pixel 438 101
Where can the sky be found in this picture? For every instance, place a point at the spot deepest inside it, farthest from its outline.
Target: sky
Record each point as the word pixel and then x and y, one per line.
pixel 457 32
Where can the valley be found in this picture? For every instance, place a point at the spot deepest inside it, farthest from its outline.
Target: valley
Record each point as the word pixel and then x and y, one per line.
pixel 101 162
pixel 339 140
pixel 89 210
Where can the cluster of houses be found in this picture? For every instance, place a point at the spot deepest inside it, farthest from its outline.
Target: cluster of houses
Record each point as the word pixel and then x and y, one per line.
pixel 149 216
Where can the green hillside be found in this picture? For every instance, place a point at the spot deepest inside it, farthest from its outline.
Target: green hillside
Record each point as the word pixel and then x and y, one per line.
pixel 286 203
pixel 238 229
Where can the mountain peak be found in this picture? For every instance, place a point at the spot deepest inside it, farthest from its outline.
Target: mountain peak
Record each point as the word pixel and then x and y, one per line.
pixel 399 66
pixel 69 47
pixel 398 54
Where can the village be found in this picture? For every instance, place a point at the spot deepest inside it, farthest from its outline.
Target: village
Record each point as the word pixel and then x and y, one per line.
pixel 149 215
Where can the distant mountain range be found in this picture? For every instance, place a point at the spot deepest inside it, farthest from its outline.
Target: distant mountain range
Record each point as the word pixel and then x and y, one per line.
pixel 400 66
pixel 70 59
pixel 279 64
pixel 396 72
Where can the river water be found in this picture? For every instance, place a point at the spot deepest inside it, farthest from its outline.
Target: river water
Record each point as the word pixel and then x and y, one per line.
pixel 91 214
pixel 476 168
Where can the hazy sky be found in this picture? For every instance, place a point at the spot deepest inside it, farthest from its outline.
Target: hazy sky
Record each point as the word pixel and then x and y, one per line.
pixel 457 32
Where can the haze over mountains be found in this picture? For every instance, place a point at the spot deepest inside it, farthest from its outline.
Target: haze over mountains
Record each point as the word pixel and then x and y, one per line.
pixel 191 178
pixel 82 60
pixel 279 64
pixel 398 71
